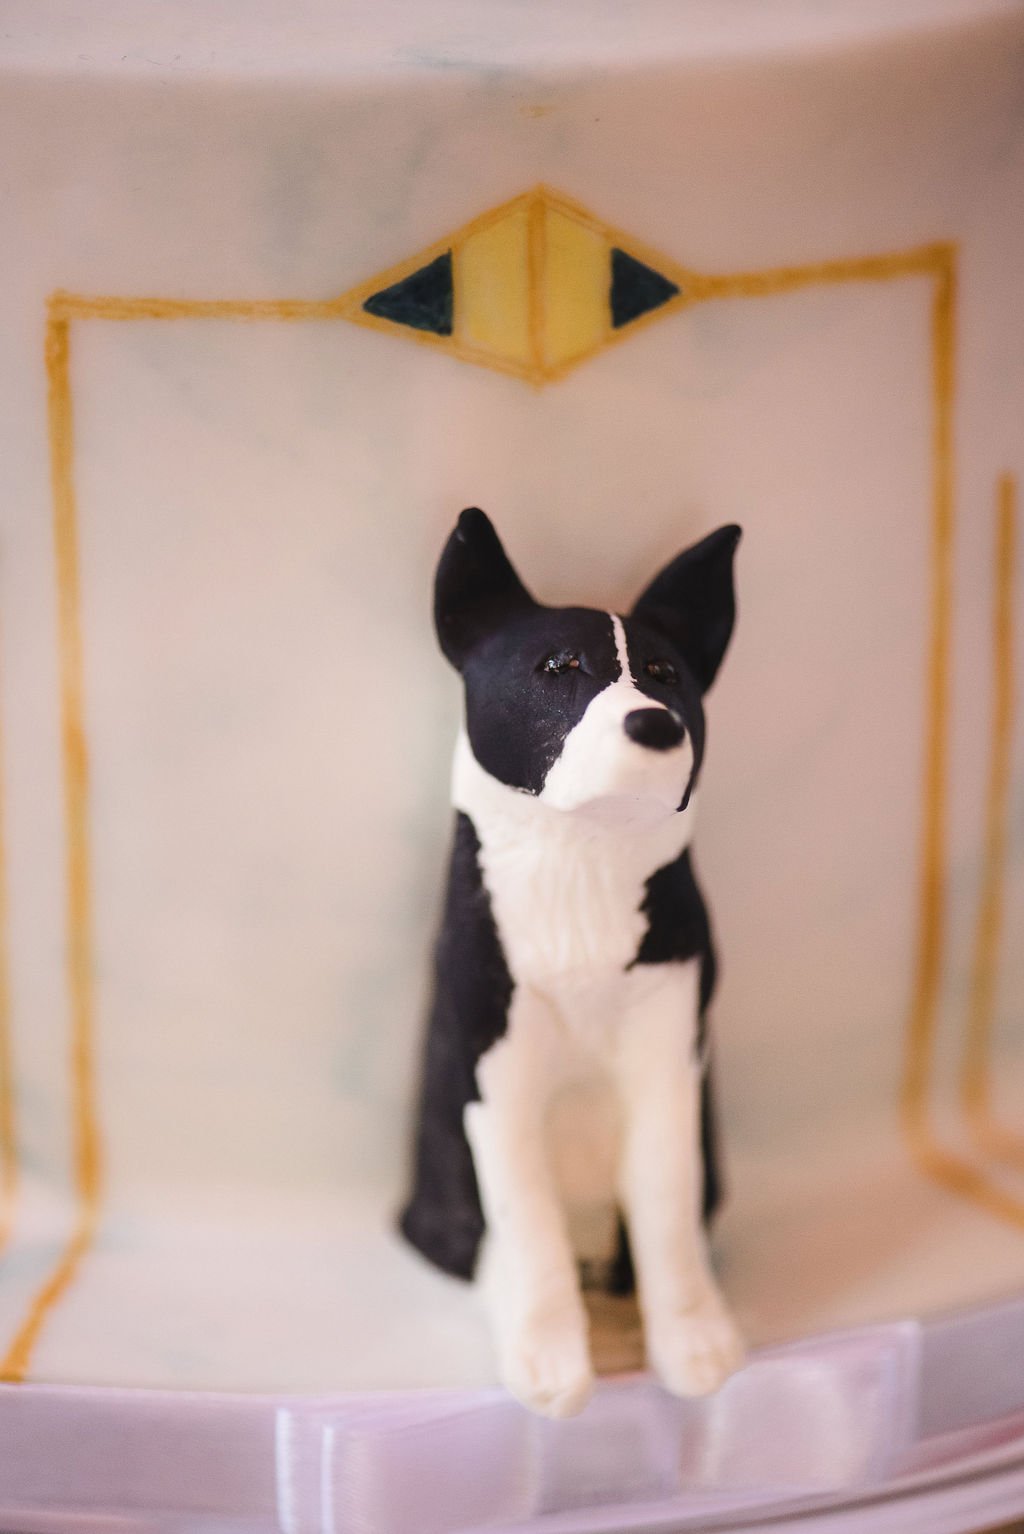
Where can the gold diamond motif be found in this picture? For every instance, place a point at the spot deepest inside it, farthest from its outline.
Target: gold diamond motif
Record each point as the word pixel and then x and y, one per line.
pixel 531 288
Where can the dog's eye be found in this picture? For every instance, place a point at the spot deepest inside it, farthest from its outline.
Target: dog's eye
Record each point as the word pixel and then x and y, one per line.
pixel 662 671
pixel 561 661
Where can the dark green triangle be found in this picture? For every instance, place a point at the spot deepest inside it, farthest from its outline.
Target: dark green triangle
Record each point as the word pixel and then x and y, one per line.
pixel 424 300
pixel 636 288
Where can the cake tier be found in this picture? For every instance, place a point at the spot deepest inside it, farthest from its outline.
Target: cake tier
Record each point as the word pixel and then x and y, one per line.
pixel 277 304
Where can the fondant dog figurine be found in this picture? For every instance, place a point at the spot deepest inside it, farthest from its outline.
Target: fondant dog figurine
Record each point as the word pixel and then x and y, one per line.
pixel 574 929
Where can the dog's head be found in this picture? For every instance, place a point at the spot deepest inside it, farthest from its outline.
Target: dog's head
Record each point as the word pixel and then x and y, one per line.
pixel 587 710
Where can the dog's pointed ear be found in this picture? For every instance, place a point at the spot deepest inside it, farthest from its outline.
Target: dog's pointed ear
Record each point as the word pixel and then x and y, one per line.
pixel 476 588
pixel 692 601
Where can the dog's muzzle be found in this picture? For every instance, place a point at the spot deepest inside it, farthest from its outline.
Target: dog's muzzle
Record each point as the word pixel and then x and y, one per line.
pixel 660 729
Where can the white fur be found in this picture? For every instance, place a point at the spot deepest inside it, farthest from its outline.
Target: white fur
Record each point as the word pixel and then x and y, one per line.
pixel 566 888
pixel 602 771
pixel 621 648
pixel 692 1340
pixel 565 871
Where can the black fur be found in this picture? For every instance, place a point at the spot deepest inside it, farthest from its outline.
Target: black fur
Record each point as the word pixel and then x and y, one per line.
pixel 693 603
pixel 472 994
pixel 476 590
pixel 517 712
pixel 677 923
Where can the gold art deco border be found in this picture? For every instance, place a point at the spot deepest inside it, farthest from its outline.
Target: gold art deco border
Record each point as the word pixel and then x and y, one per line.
pixel 937 264
pixel 8 1145
pixel 990 1137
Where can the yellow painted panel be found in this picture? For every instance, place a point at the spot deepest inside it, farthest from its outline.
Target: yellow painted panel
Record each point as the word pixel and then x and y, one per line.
pixel 575 313
pixel 492 287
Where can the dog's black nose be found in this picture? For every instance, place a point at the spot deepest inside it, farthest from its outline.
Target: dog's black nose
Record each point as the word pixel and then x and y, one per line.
pixel 658 728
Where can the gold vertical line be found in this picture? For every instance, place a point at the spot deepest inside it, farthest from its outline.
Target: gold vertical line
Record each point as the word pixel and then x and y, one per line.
pixel 975 1081
pixel 535 258
pixel 920 1042
pixel 942 1166
pixel 86 1147
pixel 8 1137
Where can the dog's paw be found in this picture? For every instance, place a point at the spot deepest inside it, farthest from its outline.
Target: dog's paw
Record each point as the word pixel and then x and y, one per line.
pixel 545 1363
pixel 694 1352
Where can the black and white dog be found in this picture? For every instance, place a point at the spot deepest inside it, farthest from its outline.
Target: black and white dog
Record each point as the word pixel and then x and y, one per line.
pixel 574 931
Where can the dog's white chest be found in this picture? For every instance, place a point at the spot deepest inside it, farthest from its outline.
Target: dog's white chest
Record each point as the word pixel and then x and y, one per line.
pixel 566 890
pixel 566 913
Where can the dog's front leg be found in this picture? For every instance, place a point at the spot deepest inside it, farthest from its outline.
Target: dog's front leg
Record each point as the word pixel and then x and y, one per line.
pixel 528 1272
pixel 692 1340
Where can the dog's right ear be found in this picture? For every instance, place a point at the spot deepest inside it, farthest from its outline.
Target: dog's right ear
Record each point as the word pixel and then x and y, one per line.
pixel 693 602
pixel 476 589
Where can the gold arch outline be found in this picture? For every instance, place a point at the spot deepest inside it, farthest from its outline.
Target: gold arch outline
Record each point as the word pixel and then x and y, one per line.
pixel 8 1137
pixel 936 262
pixel 990 1137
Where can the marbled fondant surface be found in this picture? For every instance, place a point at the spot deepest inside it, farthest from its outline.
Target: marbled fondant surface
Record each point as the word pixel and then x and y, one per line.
pixel 349 41
pixel 225 729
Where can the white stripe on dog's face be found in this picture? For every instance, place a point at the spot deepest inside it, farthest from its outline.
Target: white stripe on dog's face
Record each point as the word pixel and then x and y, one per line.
pixel 602 771
pixel 619 635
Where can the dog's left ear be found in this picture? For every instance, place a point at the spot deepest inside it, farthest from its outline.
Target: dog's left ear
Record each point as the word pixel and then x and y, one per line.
pixel 692 601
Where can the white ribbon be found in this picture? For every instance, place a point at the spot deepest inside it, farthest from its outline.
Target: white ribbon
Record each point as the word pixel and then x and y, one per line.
pixel 823 1416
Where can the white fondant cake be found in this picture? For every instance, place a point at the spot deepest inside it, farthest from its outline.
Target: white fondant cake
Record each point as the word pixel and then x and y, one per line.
pixel 282 295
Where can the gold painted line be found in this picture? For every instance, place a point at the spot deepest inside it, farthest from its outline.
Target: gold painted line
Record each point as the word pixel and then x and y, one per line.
pixel 462 351
pixel 931 257
pixel 507 365
pixel 561 202
pixel 357 315
pixel 8 1135
pixel 86 1140
pixel 78 306
pixel 937 258
pixel 699 287
pixel 975 1080
pixel 948 1170
pixel 554 372
pixel 348 305
pixel 615 236
pixel 491 216
pixel 536 263
pixel 921 1027
pixel 68 306
pixel 965 1180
